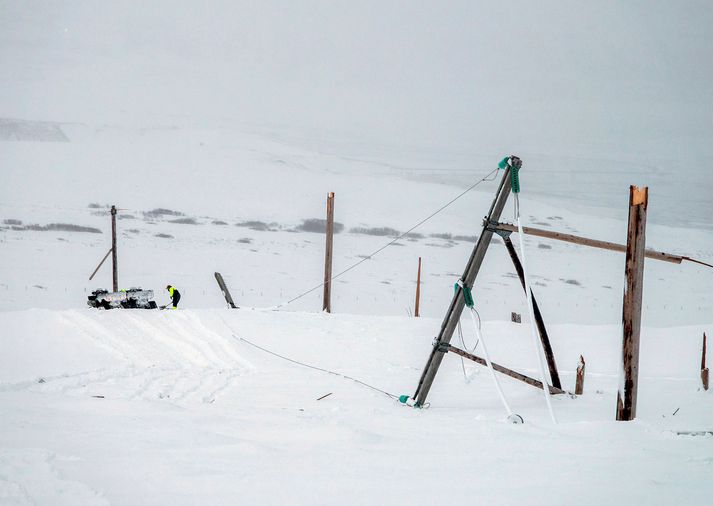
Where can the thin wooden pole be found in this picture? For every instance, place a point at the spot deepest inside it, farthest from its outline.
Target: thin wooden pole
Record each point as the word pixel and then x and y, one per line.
pixel 633 293
pixel 585 241
pixel 539 322
pixel 418 290
pixel 579 385
pixel 100 264
pixel 327 296
pixel 114 261
pixel 704 369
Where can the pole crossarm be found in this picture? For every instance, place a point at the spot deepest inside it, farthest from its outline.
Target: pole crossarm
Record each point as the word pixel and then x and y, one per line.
pixel 585 241
pixel 502 369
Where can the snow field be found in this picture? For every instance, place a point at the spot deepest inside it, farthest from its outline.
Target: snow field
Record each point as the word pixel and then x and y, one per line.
pixel 188 412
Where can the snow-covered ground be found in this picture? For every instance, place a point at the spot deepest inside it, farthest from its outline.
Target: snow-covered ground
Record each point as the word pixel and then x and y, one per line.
pixel 132 407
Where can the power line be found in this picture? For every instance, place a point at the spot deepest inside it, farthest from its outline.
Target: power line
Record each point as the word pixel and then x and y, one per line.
pixel 370 256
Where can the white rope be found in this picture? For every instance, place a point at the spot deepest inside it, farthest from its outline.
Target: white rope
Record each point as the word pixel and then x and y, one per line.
pixel 535 341
pixel 490 367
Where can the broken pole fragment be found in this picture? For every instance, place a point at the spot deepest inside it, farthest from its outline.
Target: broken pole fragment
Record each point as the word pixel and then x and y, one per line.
pixel 417 310
pixel 579 385
pixel 224 289
pixel 631 312
pixel 704 369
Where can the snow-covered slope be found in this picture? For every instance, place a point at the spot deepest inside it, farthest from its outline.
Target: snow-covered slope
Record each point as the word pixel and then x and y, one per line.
pixel 182 407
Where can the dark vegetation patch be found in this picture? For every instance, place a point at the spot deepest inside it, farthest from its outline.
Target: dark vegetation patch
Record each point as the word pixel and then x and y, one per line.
pixel 606 286
pixel 465 238
pixel 542 223
pixel 510 275
pixel 260 226
pixel 219 222
pixel 12 222
pixel 126 217
pixel 555 218
pixel 449 244
pixel 414 236
pixel 571 282
pixel 376 231
pixel 59 227
pixel 39 287
pixel 444 235
pixel 164 236
pixel 160 211
pixel 185 221
pixel 94 205
pixel 318 226
pixel 544 246
pixel 245 240
pixel 134 231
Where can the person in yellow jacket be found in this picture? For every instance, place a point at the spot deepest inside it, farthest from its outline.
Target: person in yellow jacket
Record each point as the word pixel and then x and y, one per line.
pixel 174 294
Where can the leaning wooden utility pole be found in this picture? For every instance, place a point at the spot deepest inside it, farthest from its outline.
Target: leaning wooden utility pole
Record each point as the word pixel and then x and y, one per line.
pixel 441 343
pixel 633 294
pixel 539 322
pixel 114 266
pixel 416 312
pixel 327 297
pixel 704 369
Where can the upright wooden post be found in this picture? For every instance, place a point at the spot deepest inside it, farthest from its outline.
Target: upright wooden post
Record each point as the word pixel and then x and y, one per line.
pixel 327 297
pixel 704 369
pixel 633 293
pixel 416 312
pixel 579 385
pixel 114 263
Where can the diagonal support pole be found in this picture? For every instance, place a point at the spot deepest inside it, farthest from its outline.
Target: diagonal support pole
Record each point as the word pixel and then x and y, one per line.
pixel 457 303
pixel 541 329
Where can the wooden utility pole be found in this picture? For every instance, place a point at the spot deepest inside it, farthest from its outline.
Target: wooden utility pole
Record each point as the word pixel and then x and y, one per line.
pixel 416 312
pixel 115 267
pixel 633 294
pixel 458 302
pixel 704 369
pixel 327 297
pixel 539 322
pixel 579 385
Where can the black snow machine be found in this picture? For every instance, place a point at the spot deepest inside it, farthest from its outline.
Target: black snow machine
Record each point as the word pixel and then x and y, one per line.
pixel 133 298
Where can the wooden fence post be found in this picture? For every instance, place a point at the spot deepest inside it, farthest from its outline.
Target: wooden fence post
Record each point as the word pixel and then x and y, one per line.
pixel 327 295
pixel 416 312
pixel 633 293
pixel 579 385
pixel 704 369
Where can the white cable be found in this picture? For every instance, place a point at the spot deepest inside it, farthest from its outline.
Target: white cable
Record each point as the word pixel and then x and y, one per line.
pixel 490 367
pixel 533 331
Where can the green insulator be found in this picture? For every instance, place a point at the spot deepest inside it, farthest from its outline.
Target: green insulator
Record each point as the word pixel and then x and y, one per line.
pixel 403 399
pixel 504 163
pixel 515 179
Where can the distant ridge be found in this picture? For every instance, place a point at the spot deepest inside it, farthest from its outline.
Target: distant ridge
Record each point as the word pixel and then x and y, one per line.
pixel 34 131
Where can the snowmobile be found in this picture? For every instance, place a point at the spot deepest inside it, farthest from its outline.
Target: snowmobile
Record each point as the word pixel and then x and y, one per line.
pixel 133 298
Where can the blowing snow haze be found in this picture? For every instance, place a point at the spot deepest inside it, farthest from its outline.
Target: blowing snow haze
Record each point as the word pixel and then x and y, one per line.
pixel 595 94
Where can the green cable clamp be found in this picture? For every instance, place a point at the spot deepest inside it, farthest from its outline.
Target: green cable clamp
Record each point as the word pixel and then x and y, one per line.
pixel 467 294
